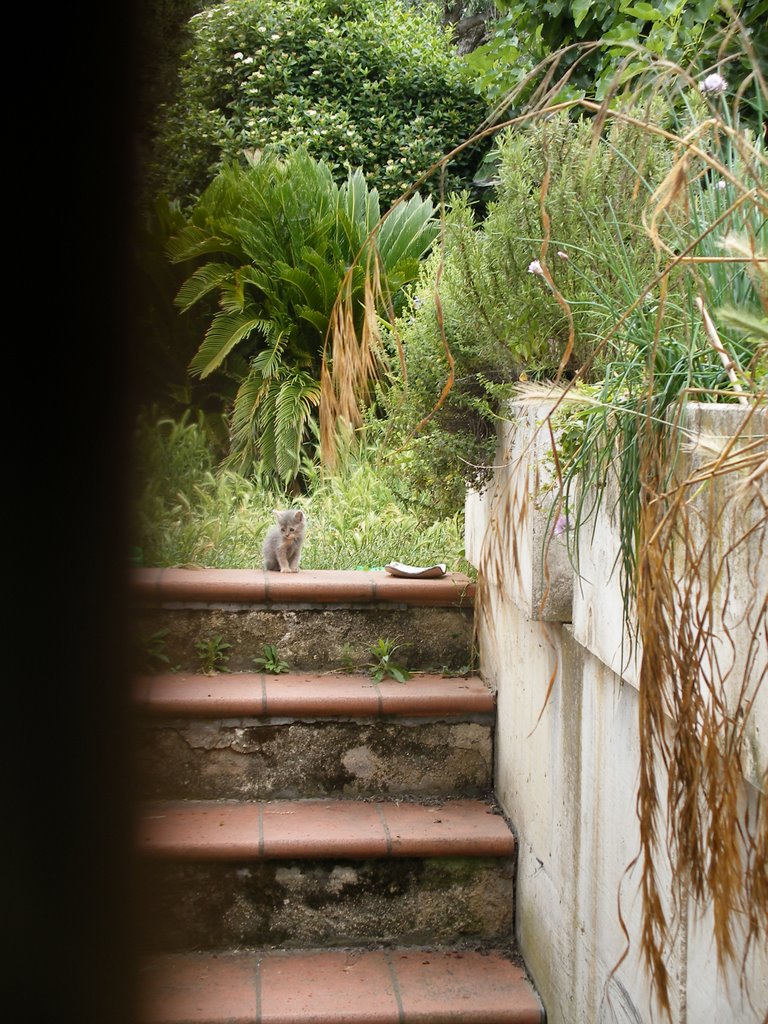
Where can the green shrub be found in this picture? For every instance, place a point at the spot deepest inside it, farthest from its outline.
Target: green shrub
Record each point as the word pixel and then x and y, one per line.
pixel 365 83
pixel 499 318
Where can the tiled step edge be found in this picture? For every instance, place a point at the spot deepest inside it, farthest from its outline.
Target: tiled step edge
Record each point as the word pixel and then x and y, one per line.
pixel 396 986
pixel 294 694
pixel 322 829
pixel 319 586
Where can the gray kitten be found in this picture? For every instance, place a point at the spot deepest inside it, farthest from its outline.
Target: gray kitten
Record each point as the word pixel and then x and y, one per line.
pixel 282 544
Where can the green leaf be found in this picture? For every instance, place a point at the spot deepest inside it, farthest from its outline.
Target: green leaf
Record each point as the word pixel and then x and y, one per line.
pixel 408 230
pixel 303 282
pixel 643 11
pixel 194 241
pixel 402 675
pixel 204 280
pixel 313 316
pixel 269 360
pixel 579 10
pixel 226 331
pixel 749 323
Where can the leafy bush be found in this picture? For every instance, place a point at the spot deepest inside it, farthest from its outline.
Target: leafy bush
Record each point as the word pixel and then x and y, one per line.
pixel 365 83
pixel 495 311
pixel 698 328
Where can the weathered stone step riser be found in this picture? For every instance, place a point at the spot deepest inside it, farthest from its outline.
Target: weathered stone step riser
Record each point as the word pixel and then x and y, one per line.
pixel 330 904
pixel 277 759
pixel 313 638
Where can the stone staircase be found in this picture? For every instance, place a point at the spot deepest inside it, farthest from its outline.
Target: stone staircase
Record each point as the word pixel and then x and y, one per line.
pixel 318 846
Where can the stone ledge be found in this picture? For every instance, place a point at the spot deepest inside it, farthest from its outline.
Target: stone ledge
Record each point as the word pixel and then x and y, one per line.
pixel 310 586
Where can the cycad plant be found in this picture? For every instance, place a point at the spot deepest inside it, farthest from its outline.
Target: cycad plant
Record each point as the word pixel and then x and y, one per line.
pixel 274 240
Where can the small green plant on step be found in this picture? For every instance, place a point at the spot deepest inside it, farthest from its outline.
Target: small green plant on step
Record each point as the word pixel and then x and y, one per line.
pixel 347 661
pixel 153 654
pixel 270 661
pixel 213 654
pixel 383 666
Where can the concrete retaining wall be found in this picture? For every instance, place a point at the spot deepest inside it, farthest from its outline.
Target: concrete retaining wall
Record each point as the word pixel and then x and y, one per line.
pixel 552 646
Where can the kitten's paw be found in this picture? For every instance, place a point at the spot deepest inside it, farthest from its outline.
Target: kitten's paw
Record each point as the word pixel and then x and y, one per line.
pixel 288 569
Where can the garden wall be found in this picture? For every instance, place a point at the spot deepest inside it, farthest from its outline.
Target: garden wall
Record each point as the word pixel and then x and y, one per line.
pixel 553 648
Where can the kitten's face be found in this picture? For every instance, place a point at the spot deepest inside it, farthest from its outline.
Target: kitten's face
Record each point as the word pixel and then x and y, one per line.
pixel 291 524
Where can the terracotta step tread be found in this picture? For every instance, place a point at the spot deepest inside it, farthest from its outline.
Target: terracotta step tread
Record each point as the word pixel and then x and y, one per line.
pixel 310 586
pixel 254 695
pixel 349 829
pixel 397 986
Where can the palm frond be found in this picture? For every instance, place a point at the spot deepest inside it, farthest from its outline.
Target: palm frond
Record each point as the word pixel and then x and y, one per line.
pixel 408 230
pixel 328 276
pixel 270 360
pixel 193 241
pixel 754 325
pixel 204 280
pixel 243 423
pixel 294 401
pixel 226 331
pixel 298 280
pixel 313 316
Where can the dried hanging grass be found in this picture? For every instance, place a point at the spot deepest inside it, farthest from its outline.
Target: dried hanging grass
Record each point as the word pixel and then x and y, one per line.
pixel 693 713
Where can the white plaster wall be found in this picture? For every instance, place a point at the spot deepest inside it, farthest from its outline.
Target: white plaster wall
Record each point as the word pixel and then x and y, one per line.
pixel 566 776
pixel 521 493
pixel 738 597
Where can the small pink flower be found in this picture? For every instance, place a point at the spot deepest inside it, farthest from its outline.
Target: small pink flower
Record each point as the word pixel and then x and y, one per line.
pixel 561 526
pixel 535 268
pixel 563 255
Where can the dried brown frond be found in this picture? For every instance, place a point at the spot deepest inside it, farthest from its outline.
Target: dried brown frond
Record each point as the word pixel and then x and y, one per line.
pixel 355 360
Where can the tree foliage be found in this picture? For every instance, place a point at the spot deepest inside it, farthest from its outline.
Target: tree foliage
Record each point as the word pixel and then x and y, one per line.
pixel 629 33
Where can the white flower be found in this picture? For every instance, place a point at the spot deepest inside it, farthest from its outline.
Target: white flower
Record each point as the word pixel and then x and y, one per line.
pixel 563 255
pixel 721 184
pixel 248 60
pixel 238 55
pixel 535 268
pixel 713 83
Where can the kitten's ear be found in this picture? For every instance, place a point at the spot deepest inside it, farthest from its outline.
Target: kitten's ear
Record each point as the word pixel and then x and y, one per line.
pixel 299 516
